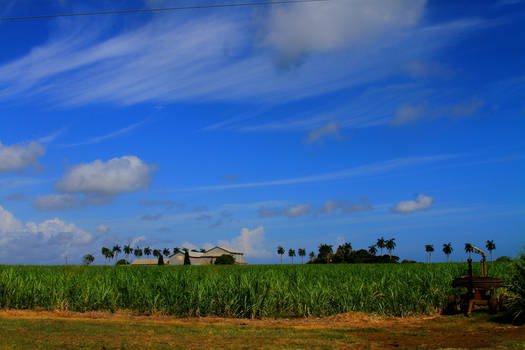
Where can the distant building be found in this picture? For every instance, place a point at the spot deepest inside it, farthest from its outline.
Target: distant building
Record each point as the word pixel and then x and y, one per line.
pixel 206 258
pixel 196 258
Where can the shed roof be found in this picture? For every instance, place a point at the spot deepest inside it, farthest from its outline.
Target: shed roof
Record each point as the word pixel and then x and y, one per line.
pixel 145 262
pixel 229 250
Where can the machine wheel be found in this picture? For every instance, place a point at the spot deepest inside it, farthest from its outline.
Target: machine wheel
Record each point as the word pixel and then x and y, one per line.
pixel 464 308
pixel 452 305
pixel 493 304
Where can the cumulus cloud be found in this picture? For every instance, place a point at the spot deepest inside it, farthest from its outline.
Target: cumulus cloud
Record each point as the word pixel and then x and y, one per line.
pixel 298 210
pixel 422 202
pixel 296 31
pixel 21 156
pixel 50 239
pixel 116 176
pixel 250 242
pixel 189 246
pixel 329 130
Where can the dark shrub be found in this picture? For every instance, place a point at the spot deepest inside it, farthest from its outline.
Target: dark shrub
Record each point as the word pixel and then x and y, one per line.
pixel 503 259
pixel 225 259
pixel 122 262
pixel 405 261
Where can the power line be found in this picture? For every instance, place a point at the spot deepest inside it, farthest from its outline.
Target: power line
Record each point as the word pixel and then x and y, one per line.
pixel 261 3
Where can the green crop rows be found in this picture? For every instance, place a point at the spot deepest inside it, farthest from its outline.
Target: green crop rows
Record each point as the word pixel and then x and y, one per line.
pixel 236 291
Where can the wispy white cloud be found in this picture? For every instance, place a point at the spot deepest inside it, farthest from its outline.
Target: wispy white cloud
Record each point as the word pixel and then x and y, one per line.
pixel 408 114
pixel 51 137
pixel 205 57
pixel 329 130
pixel 108 136
pixel 364 170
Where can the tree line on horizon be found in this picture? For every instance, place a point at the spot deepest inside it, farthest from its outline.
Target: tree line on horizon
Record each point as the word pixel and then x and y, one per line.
pixel 345 253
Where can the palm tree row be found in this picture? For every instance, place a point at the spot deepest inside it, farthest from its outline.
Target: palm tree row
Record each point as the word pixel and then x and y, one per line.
pixel 291 253
pixel 469 249
pixel 382 243
pixel 137 252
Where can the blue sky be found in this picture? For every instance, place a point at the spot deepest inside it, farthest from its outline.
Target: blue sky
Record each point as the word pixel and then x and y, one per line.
pixel 254 127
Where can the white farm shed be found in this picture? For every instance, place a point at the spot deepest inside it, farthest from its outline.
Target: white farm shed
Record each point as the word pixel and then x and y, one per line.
pixel 206 258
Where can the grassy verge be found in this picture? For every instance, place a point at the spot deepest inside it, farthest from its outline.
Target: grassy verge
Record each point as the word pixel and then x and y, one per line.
pixel 74 334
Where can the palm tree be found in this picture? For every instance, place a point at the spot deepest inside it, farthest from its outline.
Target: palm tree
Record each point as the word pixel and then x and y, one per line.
pixel 88 259
pixel 116 250
pixel 302 254
pixel 372 249
pixel 176 250
pixel 291 253
pixel 105 252
pixel 381 244
pixel 127 250
pixel 447 249
pixel 490 247
pixel 311 255
pixel 156 253
pixel 280 251
pixel 429 248
pixel 138 252
pixel 469 249
pixel 111 255
pixel 147 251
pixel 166 252
pixel 390 246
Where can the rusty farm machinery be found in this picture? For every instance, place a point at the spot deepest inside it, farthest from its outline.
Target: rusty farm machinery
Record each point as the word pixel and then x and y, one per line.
pixel 480 289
